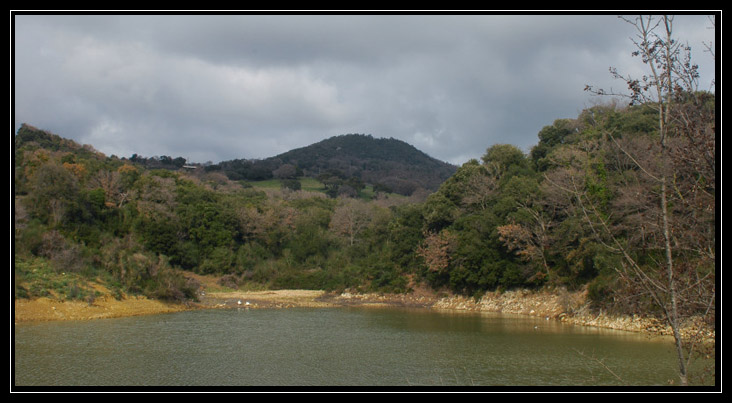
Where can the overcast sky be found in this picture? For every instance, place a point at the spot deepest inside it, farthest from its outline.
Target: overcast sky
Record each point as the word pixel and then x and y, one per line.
pixel 222 87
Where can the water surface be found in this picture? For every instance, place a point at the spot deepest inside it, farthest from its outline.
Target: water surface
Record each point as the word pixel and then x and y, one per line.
pixel 334 347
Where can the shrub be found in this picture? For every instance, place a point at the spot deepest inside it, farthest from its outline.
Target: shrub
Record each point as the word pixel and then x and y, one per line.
pixel 30 238
pixel 292 184
pixel 230 281
pixel 64 256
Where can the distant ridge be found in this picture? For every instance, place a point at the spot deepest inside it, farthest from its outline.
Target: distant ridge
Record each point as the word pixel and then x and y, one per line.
pixel 341 163
pixel 389 164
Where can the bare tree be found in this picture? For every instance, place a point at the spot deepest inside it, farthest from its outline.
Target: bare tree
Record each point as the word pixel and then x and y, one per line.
pixel 672 214
pixel 529 240
pixel 111 184
pixel 351 217
pixel 481 188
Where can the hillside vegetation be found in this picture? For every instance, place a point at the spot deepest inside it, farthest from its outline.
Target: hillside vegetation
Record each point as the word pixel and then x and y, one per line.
pixel 134 224
pixel 504 222
pixel 346 164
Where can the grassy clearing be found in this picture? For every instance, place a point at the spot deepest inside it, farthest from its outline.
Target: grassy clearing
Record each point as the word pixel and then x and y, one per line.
pixel 311 185
pixel 308 184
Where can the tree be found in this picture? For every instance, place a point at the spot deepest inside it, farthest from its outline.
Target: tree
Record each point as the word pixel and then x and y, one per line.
pixel 529 240
pixel 110 182
pixel 549 138
pixel 676 274
pixel 351 217
pixel 53 191
pixel 285 171
pixel 481 188
pixel 291 184
pixel 436 249
pixel 331 183
pixel 504 160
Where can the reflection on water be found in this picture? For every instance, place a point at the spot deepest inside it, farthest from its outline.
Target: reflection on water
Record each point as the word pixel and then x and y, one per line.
pixel 334 347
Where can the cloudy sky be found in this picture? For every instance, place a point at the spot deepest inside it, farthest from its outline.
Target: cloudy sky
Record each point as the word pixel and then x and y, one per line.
pixel 221 87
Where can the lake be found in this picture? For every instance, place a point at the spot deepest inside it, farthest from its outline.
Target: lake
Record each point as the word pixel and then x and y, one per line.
pixel 357 347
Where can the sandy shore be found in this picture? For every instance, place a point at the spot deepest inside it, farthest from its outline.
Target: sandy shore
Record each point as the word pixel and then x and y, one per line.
pixel 266 299
pixel 45 309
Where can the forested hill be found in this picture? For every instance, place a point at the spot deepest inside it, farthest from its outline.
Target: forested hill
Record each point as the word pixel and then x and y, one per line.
pixel 390 164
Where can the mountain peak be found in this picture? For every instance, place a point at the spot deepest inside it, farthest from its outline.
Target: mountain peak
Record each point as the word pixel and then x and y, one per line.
pixel 390 163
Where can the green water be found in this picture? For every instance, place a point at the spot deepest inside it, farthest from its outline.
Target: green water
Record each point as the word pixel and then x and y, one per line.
pixel 334 347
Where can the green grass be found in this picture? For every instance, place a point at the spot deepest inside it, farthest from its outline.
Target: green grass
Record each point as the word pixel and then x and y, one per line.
pixel 311 185
pixel 314 185
pixel 268 184
pixel 308 184
pixel 367 193
pixel 35 277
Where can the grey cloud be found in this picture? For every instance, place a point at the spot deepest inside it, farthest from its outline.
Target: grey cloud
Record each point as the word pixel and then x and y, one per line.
pixel 218 87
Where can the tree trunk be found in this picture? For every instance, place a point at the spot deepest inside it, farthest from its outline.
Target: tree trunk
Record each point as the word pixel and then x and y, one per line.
pixel 673 315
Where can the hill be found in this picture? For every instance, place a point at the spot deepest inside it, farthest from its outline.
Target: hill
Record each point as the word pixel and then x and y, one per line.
pixel 349 161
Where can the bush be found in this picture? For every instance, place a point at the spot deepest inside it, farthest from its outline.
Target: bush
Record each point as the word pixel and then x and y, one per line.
pixel 388 280
pixel 600 291
pixel 292 184
pixel 64 256
pixel 171 285
pixel 230 281
pixel 133 270
pixel 30 238
pixel 220 260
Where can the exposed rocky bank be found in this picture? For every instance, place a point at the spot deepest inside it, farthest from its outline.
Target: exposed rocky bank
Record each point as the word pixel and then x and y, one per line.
pixel 568 307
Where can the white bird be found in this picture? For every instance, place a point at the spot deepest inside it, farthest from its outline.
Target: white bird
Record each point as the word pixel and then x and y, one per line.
pixel 238 302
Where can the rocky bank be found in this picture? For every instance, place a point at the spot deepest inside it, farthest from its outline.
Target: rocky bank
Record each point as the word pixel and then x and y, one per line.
pixel 568 307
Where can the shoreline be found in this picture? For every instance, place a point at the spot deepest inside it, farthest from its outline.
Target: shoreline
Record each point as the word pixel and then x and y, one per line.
pixel 557 304
pixel 570 308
